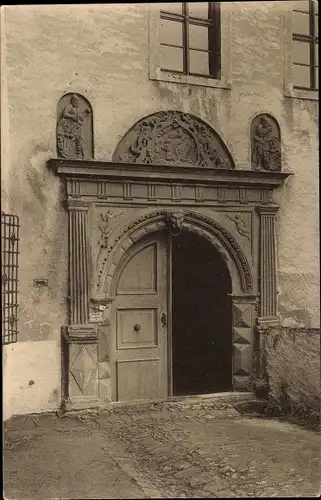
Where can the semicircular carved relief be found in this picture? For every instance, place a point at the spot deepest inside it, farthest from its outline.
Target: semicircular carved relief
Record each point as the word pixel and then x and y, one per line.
pixel 218 236
pixel 173 138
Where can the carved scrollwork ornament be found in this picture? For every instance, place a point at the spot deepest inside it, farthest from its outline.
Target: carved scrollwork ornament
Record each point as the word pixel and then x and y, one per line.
pixel 173 138
pixel 174 222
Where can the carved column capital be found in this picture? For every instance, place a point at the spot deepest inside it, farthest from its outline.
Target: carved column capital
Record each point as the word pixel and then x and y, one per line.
pixel 81 334
pixel 270 210
pixel 77 205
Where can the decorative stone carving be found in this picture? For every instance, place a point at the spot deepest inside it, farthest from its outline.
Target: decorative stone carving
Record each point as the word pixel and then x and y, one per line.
pixel 173 138
pixel 242 223
pixel 105 228
pixel 174 221
pixel 265 144
pixel 74 128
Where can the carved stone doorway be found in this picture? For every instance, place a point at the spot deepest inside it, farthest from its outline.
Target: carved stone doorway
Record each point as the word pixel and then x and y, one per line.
pixel 201 317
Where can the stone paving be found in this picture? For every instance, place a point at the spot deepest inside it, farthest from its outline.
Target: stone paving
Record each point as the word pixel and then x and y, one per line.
pixel 165 450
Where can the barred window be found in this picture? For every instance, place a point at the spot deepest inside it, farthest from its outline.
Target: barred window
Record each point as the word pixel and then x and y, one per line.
pixel 305 72
pixel 190 37
pixel 9 277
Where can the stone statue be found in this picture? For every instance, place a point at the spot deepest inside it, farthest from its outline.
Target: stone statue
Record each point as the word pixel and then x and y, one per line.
pixel 266 149
pixel 70 141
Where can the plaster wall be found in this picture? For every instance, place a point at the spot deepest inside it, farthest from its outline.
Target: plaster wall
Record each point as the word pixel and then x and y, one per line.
pixel 102 52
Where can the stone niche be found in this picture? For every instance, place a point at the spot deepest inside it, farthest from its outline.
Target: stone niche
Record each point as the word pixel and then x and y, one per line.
pixel 265 143
pixel 169 171
pixel 75 140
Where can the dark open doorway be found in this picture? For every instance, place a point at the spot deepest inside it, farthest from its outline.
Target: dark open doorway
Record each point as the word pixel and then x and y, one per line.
pixel 201 318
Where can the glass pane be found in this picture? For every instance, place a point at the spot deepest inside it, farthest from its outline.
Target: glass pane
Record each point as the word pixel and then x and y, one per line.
pixel 317 78
pixel 198 9
pixel 316 55
pixel 301 76
pixel 198 62
pixel 316 26
pixel 301 52
pixel 302 5
pixel 171 58
pixel 171 32
pixel 301 23
pixel 175 8
pixel 198 37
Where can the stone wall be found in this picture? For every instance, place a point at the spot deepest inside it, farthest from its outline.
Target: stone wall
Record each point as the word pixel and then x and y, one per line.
pixel 102 52
pixel 293 366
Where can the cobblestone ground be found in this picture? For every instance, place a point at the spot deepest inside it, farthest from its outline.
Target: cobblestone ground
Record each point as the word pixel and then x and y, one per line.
pixel 165 450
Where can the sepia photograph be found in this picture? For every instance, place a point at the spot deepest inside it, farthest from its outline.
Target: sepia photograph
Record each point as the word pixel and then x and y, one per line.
pixel 160 250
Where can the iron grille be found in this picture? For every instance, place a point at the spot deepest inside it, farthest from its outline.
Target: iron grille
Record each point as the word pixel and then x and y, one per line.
pixel 9 273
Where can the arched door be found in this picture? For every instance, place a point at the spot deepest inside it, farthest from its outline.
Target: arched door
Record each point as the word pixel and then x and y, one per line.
pixel 141 326
pixel 172 319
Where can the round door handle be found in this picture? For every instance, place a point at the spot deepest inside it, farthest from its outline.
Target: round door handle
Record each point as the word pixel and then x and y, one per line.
pixel 136 328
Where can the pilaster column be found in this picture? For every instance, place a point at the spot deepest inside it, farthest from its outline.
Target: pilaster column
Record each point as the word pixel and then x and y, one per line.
pixel 79 339
pixel 268 292
pixel 78 263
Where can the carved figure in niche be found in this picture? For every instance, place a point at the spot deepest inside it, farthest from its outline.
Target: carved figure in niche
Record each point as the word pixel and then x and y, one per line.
pixel 266 146
pixel 71 143
pixel 174 222
pixel 173 138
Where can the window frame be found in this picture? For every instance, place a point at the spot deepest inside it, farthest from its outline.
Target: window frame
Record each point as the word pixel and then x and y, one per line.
pixel 289 89
pixel 313 42
pixel 213 51
pixel 155 71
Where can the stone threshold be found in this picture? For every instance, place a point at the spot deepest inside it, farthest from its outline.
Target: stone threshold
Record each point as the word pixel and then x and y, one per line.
pixel 209 399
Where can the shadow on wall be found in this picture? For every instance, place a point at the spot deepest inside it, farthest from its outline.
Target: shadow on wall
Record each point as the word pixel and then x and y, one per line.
pixel 293 367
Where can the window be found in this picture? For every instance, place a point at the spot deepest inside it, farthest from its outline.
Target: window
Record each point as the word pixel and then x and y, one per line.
pixel 305 70
pixel 190 38
pixel 9 275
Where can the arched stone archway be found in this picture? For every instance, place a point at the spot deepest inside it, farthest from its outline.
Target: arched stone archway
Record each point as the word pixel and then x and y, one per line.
pixel 243 294
pixel 193 221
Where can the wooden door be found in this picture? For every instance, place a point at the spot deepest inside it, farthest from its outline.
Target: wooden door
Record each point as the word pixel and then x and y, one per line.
pixel 141 322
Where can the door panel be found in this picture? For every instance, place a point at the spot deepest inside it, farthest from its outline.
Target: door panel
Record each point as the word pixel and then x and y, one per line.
pixel 138 379
pixel 140 275
pixel 144 332
pixel 141 334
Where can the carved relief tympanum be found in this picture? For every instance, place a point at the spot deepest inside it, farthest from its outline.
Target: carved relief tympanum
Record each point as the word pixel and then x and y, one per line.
pixel 74 128
pixel 265 144
pixel 173 138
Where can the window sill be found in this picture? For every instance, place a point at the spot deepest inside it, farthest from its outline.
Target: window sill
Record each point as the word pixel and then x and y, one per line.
pixel 312 95
pixel 201 81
